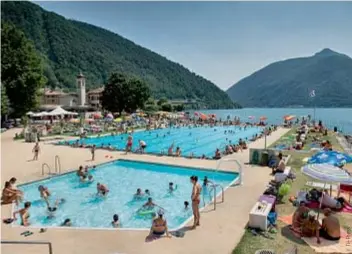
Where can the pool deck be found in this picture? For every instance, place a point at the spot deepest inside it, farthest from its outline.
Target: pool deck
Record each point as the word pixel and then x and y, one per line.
pixel 219 232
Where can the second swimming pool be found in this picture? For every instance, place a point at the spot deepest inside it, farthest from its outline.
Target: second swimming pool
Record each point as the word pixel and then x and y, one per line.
pixel 196 140
pixel 86 210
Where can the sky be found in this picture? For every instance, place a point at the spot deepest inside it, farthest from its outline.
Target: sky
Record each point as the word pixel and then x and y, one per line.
pixel 222 41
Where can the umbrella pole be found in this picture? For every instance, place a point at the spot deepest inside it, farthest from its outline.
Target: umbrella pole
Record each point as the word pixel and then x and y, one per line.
pixel 321 200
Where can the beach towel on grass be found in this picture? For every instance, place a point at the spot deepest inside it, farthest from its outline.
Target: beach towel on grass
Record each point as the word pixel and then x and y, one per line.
pixel 342 246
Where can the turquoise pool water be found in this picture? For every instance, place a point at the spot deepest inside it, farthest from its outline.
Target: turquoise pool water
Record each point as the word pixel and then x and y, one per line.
pixel 199 140
pixel 122 178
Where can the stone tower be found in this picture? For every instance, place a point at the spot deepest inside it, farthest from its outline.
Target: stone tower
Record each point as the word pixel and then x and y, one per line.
pixel 81 89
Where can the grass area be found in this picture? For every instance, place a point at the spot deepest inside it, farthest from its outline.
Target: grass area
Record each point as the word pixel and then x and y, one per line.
pixel 283 240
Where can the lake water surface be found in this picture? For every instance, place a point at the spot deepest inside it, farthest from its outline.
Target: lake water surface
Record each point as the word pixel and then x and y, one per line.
pixel 339 117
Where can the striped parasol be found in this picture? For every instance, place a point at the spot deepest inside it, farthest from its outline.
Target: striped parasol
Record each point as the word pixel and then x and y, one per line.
pixel 327 173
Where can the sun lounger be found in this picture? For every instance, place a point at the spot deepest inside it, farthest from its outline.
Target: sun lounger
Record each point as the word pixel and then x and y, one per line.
pixel 280 177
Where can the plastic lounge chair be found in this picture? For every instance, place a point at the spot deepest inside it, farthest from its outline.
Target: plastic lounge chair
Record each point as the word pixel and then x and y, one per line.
pixel 265 252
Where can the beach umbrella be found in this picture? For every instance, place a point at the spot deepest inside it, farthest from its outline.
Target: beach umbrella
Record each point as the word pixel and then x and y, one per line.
pixel 289 117
pixel 110 116
pixel 263 118
pixel 328 174
pixel 330 157
pixel 203 116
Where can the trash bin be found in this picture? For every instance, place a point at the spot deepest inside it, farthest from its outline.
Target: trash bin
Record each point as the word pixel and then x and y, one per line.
pixel 265 158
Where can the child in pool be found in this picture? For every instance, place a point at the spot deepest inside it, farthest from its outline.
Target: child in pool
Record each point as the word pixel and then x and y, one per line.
pixel 171 187
pixel 115 221
pixel 186 205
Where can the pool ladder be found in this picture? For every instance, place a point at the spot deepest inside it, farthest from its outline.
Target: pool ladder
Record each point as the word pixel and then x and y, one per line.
pixel 213 188
pixel 57 167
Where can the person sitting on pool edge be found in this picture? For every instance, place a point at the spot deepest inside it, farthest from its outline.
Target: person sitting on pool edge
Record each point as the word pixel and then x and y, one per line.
pixel 178 152
pixel 217 154
pixel 102 189
pixel 115 221
pixel 159 227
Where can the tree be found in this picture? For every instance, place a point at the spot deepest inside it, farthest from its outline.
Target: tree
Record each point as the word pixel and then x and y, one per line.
pixel 4 102
pixel 179 107
pixel 124 94
pixel 21 69
pixel 162 101
pixel 166 107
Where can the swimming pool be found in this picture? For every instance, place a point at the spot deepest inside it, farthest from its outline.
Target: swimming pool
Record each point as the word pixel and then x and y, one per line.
pixel 197 140
pixel 123 178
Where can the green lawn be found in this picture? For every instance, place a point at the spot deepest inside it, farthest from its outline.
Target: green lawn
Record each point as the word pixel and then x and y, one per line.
pixel 283 239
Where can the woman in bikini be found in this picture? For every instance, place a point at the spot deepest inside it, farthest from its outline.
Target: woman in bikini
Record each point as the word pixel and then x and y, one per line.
pixel 44 192
pixel 129 144
pixel 159 226
pixel 196 190
pixel 24 214
pixel 36 151
pixel 9 195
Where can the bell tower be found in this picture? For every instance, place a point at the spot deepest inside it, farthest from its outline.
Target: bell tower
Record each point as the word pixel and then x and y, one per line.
pixel 81 89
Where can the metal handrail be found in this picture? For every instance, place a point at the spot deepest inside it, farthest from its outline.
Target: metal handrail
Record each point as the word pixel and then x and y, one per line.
pixel 57 164
pixel 30 242
pixel 240 176
pixel 43 166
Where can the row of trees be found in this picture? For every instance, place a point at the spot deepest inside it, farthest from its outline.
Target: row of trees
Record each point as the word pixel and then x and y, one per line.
pixel 23 76
pixel 21 72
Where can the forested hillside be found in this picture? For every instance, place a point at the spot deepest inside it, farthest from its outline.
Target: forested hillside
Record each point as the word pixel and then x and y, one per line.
pixel 68 47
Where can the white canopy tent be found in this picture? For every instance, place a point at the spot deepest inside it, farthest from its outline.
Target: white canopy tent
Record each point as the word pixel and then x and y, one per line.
pixel 40 114
pixel 60 111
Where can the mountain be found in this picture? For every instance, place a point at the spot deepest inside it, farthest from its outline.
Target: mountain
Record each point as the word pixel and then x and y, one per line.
pixel 288 83
pixel 68 47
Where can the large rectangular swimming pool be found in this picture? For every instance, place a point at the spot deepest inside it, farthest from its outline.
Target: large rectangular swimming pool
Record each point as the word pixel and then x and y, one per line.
pixel 198 141
pixel 123 178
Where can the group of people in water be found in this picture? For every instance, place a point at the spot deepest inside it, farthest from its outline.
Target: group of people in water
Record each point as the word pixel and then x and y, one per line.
pixel 174 150
pixel 159 225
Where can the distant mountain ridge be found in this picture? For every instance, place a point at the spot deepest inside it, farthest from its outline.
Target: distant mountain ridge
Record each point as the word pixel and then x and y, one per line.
pixel 289 82
pixel 68 47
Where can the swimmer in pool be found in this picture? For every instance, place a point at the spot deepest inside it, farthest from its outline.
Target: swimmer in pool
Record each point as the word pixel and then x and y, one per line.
pixel 53 209
pixel 102 189
pixel 171 187
pixel 83 179
pixel 66 223
pixel 138 193
pixel 186 205
pixel 115 221
pixel 90 179
pixel 44 192
pixel 147 192
pixel 205 181
pixel 149 204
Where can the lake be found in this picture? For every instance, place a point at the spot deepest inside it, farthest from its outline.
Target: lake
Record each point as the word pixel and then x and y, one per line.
pixel 331 117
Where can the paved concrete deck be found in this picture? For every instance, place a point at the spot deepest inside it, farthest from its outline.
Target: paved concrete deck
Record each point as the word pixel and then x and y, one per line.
pixel 219 232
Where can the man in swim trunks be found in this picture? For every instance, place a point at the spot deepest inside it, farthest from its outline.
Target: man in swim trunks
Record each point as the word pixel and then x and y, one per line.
pixel 102 189
pixel 195 197
pixel 36 151
pixel 24 214
pixel 53 209
pixel 93 152
pixel 330 228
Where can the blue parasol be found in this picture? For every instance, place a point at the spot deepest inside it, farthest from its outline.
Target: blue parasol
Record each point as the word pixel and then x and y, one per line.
pixel 327 173
pixel 330 157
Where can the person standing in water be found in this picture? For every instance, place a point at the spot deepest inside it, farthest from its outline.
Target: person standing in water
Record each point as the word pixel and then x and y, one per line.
pixel 93 152
pixel 129 143
pixel 196 190
pixel 36 150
